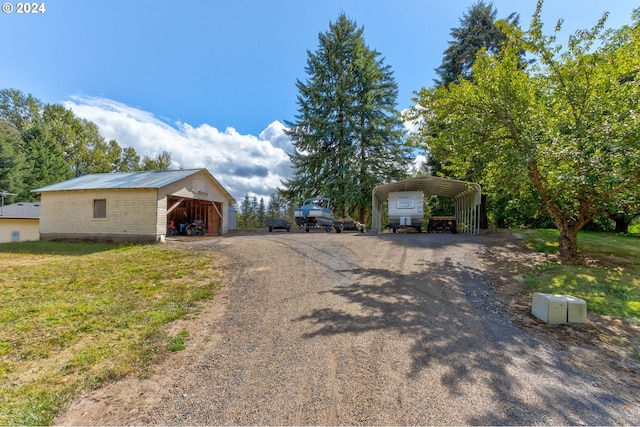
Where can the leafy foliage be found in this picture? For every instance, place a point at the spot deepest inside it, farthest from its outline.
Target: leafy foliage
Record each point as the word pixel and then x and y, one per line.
pixel 44 144
pixel 347 135
pixel 566 128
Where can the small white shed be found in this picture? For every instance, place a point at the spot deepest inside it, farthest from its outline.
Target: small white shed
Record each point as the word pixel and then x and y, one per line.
pixel 132 206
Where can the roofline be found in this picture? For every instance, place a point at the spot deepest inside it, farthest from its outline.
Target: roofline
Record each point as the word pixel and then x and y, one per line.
pixel 229 196
pixel 194 171
pixel 390 187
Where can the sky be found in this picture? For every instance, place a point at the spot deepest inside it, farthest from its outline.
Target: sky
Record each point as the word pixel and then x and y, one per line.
pixel 214 82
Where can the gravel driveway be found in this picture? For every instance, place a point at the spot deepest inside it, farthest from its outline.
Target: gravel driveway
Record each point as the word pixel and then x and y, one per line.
pixel 325 329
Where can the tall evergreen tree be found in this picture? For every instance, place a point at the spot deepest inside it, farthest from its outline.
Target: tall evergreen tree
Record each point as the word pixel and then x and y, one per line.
pixel 478 30
pixel 262 213
pixel 348 136
pixel 245 210
pixel 45 160
pixel 277 206
pixel 12 162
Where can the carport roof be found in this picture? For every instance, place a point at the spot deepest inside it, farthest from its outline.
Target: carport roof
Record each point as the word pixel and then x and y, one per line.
pixel 444 187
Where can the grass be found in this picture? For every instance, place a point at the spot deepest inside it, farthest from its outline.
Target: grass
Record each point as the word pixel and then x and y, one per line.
pixel 178 342
pixel 73 315
pixel 610 283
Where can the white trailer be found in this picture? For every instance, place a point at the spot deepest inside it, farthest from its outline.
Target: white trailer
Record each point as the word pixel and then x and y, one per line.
pixel 406 209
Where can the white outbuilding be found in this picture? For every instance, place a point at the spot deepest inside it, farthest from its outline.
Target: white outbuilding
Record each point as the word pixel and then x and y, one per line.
pixel 133 206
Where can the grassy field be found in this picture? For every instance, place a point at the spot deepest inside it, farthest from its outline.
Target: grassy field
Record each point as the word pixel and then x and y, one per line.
pixel 74 315
pixel 610 280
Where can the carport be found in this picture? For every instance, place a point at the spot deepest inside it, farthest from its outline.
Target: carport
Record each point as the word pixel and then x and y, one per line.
pixel 467 196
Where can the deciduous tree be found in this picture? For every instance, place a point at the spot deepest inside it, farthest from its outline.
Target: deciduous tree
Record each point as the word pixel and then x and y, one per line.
pixel 566 127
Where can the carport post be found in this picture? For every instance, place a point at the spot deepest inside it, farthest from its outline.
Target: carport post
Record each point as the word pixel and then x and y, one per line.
pixel 375 213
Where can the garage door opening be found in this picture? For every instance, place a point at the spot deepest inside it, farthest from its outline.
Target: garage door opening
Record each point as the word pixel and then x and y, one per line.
pixel 193 216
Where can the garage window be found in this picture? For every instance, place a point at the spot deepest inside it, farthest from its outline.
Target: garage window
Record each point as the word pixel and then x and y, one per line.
pixel 100 208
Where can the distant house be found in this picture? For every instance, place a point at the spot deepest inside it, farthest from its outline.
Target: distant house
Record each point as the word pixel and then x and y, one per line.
pixel 19 222
pixel 132 206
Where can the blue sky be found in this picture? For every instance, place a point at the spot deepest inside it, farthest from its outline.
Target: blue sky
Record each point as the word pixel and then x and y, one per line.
pixel 214 81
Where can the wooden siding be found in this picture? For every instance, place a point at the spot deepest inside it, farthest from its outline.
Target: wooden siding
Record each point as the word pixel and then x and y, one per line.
pixel 130 212
pixel 27 229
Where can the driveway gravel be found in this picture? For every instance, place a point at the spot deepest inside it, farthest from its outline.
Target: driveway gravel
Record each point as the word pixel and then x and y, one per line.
pixel 356 329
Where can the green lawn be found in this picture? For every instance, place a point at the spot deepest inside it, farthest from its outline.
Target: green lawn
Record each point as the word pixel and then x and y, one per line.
pixel 73 315
pixel 610 280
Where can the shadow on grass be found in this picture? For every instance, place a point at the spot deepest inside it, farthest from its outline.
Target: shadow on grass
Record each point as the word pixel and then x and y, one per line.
pixel 452 316
pixel 56 248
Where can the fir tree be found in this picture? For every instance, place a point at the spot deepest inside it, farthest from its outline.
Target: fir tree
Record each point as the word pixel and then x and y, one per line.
pixel 478 30
pixel 348 136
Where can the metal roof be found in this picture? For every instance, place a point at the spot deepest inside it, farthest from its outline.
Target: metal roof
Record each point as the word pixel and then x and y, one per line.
pixel 22 210
pixel 143 179
pixel 444 187
pixel 467 196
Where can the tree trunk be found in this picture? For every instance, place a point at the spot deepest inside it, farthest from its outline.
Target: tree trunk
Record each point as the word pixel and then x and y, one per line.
pixel 568 242
pixel 484 220
pixel 568 239
pixel 361 214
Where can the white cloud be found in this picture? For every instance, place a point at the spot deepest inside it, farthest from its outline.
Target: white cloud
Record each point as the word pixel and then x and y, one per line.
pixel 242 163
pixel 419 161
pixel 412 126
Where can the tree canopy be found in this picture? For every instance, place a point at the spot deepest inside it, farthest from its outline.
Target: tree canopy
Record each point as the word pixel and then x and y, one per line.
pixel 565 127
pixel 348 136
pixel 44 144
pixel 479 29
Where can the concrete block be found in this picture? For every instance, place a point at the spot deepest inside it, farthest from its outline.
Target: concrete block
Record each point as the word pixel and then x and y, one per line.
pixel 558 309
pixel 549 308
pixel 576 309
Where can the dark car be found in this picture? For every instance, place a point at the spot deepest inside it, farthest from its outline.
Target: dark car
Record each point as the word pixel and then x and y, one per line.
pixel 278 224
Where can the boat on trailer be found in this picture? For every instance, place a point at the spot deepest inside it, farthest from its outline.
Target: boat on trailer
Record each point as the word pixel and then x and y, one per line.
pixel 315 213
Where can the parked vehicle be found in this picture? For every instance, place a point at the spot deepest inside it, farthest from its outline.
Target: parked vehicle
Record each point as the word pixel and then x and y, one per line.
pixel 406 209
pixel 278 224
pixel 190 228
pixel 345 224
pixel 315 213
pixel 196 228
pixel 442 224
